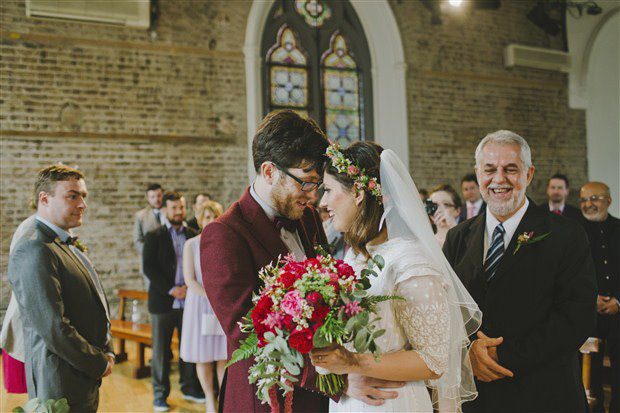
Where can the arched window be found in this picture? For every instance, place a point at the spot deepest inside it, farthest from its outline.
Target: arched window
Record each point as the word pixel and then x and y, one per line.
pixel 316 62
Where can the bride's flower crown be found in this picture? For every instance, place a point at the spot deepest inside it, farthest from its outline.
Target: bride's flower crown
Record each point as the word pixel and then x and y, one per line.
pixel 361 181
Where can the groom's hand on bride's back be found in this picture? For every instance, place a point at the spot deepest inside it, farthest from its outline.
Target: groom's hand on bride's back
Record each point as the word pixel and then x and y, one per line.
pixel 371 390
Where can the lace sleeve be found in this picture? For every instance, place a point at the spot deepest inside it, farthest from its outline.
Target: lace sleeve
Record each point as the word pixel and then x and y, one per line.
pixel 423 315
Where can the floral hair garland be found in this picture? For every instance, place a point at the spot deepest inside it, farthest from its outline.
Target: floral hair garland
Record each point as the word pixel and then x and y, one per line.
pixel 357 174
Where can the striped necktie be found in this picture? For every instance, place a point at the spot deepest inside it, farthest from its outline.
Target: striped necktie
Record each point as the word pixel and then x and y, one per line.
pixel 495 253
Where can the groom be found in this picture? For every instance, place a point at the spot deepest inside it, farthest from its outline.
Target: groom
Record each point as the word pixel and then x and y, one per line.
pixel 273 217
pixel 531 274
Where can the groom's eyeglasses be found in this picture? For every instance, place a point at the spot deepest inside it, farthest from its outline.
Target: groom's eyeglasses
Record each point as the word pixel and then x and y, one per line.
pixel 305 186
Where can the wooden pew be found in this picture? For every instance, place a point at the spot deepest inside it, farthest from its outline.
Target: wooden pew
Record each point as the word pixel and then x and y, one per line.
pixel 590 346
pixel 140 333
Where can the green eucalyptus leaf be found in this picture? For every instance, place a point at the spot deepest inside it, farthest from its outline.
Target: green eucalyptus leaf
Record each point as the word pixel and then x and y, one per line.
pixel 319 340
pixel 378 333
pixel 378 259
pixel 269 336
pixel 360 341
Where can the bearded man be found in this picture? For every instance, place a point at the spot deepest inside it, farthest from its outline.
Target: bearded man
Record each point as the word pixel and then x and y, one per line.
pixel 274 217
pixel 604 233
pixel 531 274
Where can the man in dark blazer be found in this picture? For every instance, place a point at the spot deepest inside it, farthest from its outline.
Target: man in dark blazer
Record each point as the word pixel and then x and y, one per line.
pixel 163 265
pixel 272 218
pixel 532 275
pixel 474 204
pixel 557 191
pixel 63 308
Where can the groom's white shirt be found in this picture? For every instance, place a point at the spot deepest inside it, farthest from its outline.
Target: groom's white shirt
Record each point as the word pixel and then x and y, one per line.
pixel 290 239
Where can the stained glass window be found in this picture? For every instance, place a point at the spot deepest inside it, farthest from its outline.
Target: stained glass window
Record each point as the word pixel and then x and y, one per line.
pixel 314 12
pixel 288 74
pixel 317 63
pixel 341 92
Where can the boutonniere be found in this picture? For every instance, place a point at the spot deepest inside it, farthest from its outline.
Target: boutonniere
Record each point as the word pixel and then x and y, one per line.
pixel 528 238
pixel 80 245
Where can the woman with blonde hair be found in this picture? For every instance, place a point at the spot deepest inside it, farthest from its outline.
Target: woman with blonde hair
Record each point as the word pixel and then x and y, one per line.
pixel 202 340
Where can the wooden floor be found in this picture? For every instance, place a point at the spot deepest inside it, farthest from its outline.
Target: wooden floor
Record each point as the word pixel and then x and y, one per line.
pixel 120 392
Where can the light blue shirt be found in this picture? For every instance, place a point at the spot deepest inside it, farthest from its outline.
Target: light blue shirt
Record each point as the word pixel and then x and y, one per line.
pixel 178 242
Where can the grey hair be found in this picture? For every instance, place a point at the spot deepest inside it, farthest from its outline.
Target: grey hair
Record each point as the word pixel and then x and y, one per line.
pixel 506 137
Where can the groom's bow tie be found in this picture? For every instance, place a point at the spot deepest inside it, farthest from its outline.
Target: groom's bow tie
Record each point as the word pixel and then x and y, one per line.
pixel 283 222
pixel 71 240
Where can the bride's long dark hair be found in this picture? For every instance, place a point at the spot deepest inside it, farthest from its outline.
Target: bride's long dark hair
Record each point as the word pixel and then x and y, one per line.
pixel 365 227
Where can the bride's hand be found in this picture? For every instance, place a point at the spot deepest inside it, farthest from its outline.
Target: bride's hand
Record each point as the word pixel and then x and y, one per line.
pixel 335 358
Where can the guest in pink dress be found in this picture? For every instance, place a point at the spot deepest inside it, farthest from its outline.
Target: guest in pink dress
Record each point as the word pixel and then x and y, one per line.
pixel 202 341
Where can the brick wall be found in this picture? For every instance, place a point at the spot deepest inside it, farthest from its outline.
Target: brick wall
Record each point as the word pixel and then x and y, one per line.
pixel 459 90
pixel 130 110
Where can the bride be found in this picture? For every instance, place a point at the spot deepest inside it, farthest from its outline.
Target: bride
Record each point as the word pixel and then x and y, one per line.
pixel 373 200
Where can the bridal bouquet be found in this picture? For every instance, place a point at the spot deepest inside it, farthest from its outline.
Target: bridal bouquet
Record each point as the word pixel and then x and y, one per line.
pixel 305 305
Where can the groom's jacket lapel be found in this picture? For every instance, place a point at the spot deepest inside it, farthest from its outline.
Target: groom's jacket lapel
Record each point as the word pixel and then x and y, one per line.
pixel 260 227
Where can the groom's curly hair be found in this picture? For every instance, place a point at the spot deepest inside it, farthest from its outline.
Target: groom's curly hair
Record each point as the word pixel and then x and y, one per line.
pixel 365 227
pixel 289 141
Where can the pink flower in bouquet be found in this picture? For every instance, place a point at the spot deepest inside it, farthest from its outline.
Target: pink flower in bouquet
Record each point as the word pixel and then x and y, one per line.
pixel 273 320
pixel 352 170
pixel 352 308
pixel 301 340
pixel 372 184
pixel 291 303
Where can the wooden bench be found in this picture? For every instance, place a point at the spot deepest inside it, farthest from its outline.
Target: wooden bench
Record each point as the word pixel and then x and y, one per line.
pixel 140 333
pixel 590 346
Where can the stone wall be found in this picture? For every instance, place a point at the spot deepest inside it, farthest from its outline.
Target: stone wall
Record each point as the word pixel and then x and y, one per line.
pixel 129 109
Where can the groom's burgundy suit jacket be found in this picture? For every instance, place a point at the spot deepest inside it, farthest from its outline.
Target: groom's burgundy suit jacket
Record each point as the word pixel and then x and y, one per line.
pixel 232 251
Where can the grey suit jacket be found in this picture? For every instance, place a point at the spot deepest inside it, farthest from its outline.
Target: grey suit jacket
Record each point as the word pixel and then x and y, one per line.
pixel 145 222
pixel 66 328
pixel 11 335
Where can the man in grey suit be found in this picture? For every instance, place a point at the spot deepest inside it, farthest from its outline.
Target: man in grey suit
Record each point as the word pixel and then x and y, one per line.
pixel 61 301
pixel 146 220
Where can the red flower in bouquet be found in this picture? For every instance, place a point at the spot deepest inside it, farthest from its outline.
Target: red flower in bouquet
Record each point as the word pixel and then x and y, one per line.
pixel 259 315
pixel 301 340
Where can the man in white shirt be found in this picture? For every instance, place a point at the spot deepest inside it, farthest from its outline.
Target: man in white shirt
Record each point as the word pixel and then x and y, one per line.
pixel 64 312
pixel 531 273
pixel 474 205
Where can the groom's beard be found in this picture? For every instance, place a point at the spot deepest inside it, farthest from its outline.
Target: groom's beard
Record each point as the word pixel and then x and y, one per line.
pixel 284 203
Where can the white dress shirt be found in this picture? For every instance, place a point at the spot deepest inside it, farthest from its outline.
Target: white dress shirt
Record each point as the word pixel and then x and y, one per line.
pixel 510 226
pixel 290 239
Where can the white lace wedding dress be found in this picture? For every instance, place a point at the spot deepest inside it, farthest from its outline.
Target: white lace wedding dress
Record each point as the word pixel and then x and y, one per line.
pixel 420 322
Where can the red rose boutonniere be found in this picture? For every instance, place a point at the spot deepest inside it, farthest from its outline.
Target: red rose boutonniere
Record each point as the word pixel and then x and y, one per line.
pixel 528 238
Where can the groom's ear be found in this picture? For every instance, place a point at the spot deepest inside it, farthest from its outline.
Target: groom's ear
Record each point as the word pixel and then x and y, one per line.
pixel 268 171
